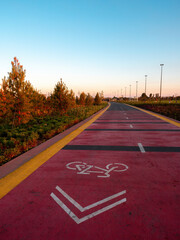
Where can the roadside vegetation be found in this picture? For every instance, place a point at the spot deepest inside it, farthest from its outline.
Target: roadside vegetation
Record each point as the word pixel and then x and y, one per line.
pixel 28 117
pixel 171 110
pixel 167 106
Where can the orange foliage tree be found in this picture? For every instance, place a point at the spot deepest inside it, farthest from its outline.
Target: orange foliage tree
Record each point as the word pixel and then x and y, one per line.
pixel 97 99
pixel 16 89
pixel 89 100
pixel 61 99
pixel 82 98
pixel 20 102
pixel 40 104
pixel 6 104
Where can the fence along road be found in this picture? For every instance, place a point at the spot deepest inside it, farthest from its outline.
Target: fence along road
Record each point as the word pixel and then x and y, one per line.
pixel 118 179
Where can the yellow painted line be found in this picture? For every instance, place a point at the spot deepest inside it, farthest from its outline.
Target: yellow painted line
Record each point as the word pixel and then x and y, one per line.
pixel 13 179
pixel 158 116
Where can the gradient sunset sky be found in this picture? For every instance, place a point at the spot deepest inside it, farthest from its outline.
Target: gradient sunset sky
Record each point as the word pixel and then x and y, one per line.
pixel 93 45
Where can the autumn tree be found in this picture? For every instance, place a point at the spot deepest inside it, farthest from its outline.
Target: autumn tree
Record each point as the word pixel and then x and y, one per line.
pixel 15 88
pixel 89 100
pixel 77 100
pixel 82 98
pixel 39 102
pixel 143 97
pixel 72 99
pixel 60 98
pixel 4 105
pixel 97 99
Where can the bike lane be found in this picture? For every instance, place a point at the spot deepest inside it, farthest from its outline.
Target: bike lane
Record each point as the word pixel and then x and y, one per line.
pixel 77 194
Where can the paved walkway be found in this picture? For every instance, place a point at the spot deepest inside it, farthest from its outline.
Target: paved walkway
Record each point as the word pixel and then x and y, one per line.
pixel 117 179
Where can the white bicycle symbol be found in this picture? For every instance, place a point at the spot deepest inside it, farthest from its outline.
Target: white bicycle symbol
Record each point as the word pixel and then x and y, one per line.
pixel 84 168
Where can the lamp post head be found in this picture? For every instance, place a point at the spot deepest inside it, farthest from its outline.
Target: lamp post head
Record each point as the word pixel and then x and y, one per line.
pixel 161 64
pixel 146 75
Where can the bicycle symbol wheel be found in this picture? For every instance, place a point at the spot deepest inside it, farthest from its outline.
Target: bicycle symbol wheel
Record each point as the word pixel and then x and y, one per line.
pixel 118 167
pixel 73 165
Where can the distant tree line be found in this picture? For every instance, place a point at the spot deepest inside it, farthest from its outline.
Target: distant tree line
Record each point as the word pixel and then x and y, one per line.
pixel 20 102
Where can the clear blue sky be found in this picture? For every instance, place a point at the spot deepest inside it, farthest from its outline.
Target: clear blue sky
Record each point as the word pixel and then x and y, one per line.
pixel 93 45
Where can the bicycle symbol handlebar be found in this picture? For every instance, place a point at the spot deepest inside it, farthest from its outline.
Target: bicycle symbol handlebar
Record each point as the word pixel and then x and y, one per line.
pixel 84 168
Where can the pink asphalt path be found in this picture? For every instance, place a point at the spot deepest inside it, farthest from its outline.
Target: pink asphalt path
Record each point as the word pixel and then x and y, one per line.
pixel 150 184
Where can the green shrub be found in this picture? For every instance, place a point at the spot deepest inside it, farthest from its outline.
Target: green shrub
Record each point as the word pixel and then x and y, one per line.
pixel 14 141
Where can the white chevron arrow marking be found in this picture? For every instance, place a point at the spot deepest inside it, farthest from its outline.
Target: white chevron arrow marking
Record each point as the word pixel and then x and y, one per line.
pixel 78 206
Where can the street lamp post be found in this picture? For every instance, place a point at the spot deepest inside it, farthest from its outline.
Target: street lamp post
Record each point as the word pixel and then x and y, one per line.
pixel 145 83
pixel 161 79
pixel 137 90
pixel 125 92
